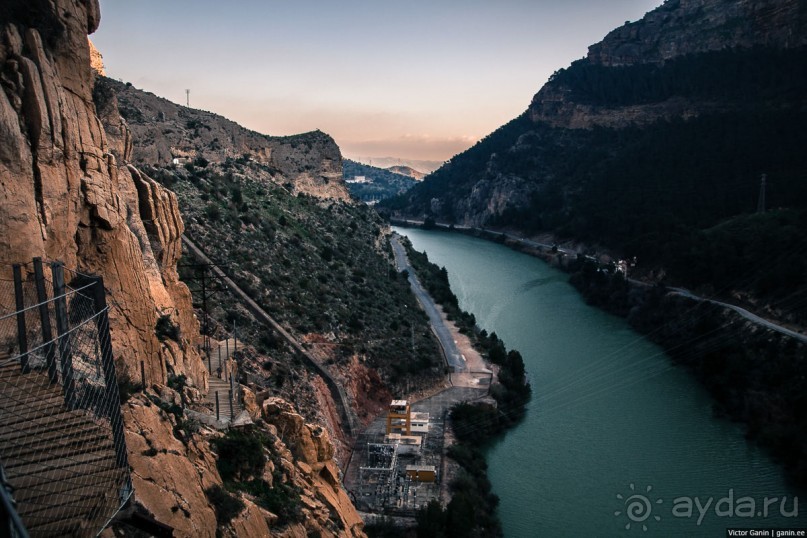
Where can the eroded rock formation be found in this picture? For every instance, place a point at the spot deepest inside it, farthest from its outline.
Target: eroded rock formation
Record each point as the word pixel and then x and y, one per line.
pixel 68 192
pixel 68 195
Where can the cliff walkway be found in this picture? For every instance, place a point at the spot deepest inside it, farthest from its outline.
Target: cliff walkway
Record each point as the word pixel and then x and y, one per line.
pixel 223 392
pixel 63 462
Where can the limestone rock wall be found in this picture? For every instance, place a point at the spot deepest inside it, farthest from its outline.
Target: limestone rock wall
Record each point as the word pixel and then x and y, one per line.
pixel 67 194
pixel 309 452
pixel 676 28
pixel 681 27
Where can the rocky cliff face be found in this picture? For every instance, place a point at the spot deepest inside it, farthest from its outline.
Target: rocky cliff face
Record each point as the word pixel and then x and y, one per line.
pixel 68 192
pixel 165 132
pixel 680 27
pixel 97 61
pixel 675 29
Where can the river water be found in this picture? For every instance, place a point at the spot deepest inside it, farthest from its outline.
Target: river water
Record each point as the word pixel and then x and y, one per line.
pixel 610 416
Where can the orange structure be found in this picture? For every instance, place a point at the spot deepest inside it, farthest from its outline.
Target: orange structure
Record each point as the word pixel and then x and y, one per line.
pixel 399 418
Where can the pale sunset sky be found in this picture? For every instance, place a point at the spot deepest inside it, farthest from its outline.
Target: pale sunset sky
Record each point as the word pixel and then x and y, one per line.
pixel 414 79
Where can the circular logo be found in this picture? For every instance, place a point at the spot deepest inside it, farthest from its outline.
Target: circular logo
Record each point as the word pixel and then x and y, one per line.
pixel 637 507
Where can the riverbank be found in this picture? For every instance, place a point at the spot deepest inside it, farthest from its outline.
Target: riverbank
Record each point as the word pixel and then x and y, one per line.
pixel 755 376
pixel 478 407
pixel 472 509
pixel 561 256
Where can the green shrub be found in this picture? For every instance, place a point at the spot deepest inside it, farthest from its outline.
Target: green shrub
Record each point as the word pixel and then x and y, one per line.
pixel 281 499
pixel 224 504
pixel 240 456
pixel 166 329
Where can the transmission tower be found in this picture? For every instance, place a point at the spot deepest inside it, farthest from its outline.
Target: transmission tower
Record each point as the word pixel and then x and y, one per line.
pixel 761 202
pixel 188 98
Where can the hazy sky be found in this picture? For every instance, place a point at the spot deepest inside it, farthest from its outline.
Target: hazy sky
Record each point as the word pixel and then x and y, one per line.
pixel 416 79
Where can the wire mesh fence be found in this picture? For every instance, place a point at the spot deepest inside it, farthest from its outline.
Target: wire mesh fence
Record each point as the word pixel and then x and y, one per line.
pixel 62 445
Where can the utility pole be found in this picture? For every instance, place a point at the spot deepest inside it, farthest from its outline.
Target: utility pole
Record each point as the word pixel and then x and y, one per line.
pixel 188 98
pixel 761 202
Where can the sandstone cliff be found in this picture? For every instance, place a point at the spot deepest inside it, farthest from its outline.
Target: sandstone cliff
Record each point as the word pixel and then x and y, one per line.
pixel 69 193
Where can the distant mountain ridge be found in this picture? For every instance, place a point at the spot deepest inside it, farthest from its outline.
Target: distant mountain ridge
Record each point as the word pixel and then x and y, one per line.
pixel 423 165
pixel 377 183
pixel 407 171
pixel 654 146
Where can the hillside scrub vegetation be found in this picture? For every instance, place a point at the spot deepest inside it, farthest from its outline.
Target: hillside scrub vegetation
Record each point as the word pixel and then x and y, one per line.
pixel 320 267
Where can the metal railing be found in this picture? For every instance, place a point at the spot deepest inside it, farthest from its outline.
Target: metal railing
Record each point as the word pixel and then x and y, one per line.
pixel 62 439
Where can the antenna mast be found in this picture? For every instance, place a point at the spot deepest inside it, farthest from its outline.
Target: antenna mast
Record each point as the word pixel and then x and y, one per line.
pixel 188 98
pixel 761 202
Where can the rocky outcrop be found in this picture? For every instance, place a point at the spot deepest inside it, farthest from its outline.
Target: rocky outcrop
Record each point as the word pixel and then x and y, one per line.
pixel 166 133
pixel 327 508
pixel 67 194
pixel 680 27
pixel 97 61
pixel 169 477
pixel 675 29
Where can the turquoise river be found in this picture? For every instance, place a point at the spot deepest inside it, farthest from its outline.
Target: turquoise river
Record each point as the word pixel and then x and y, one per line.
pixel 610 416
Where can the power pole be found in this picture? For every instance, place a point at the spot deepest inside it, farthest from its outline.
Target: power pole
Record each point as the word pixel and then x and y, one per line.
pixel 188 98
pixel 761 202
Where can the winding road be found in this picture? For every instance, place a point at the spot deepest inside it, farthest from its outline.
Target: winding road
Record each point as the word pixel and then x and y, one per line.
pixel 454 358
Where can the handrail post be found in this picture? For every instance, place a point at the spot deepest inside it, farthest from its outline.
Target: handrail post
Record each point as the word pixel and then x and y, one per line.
pixel 44 315
pixel 62 329
pixel 217 406
pixel 110 378
pixel 22 332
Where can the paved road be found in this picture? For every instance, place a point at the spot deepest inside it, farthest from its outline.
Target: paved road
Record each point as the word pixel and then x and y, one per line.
pixel 744 313
pixel 679 291
pixel 452 354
